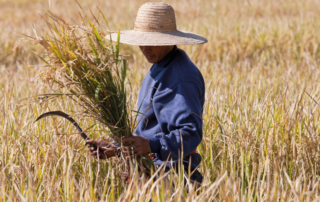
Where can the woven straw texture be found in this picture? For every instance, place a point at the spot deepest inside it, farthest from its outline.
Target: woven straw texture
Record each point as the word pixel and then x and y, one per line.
pixel 155 25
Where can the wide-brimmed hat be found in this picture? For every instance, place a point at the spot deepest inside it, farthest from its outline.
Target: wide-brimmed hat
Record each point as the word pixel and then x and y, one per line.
pixel 155 25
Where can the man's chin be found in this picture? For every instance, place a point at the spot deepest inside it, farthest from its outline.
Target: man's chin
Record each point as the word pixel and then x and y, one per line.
pixel 151 61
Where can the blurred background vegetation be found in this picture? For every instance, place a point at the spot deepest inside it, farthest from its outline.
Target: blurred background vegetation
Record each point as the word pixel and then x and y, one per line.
pixel 261 116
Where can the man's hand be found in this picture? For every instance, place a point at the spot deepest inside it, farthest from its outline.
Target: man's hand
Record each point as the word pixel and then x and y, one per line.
pixel 105 149
pixel 140 145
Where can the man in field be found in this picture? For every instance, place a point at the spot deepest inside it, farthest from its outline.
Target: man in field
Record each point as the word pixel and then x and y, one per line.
pixel 172 94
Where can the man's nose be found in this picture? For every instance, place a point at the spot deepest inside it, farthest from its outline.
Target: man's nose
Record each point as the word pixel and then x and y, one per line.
pixel 145 48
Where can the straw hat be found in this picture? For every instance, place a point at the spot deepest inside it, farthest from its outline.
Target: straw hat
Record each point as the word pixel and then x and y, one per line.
pixel 155 25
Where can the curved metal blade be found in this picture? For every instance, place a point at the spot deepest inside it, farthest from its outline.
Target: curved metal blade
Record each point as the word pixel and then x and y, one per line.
pixel 69 118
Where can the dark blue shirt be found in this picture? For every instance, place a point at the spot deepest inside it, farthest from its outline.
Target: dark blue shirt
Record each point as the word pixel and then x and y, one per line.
pixel 170 109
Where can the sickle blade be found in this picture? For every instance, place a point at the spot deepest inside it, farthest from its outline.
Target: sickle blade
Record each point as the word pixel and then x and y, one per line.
pixel 69 118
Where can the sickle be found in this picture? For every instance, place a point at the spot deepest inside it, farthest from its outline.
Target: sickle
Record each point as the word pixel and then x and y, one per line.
pixel 69 118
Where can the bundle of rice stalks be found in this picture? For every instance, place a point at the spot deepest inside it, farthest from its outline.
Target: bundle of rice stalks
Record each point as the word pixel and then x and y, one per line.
pixel 85 66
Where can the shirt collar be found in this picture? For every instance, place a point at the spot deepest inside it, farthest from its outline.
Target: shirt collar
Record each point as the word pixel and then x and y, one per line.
pixel 167 59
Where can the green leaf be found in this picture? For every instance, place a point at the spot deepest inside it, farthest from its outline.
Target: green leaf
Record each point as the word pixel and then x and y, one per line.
pixel 94 50
pixel 41 177
pixel 41 58
pixel 97 93
pixel 118 47
pixel 98 38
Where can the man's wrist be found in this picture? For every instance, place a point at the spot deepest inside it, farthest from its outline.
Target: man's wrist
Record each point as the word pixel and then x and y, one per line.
pixel 155 145
pixel 149 147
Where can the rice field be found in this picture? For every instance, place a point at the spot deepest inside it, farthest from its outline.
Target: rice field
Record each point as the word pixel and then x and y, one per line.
pixel 261 116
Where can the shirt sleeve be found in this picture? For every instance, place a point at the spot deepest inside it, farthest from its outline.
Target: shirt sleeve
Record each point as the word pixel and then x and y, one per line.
pixel 179 113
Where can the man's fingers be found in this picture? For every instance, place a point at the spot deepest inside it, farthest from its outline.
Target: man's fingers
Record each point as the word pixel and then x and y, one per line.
pixel 129 139
pixel 128 158
pixel 90 149
pixel 92 142
pixel 97 154
pixel 125 149
pixel 99 148
pixel 139 144
pixel 93 152
pixel 137 153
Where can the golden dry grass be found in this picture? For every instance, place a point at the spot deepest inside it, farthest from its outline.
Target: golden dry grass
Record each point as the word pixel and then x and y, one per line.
pixel 261 117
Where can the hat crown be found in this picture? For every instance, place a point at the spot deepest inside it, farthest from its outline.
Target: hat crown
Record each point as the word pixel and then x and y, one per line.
pixel 155 17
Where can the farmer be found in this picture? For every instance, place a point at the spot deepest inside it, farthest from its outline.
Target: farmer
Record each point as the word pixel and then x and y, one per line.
pixel 172 94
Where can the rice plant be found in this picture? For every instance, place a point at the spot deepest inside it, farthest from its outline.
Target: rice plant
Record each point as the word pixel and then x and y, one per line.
pixel 87 68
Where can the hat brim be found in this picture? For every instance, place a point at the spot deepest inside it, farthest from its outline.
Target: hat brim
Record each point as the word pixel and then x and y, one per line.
pixel 138 38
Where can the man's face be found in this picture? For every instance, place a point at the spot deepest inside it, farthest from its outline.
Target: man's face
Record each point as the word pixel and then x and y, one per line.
pixel 155 54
